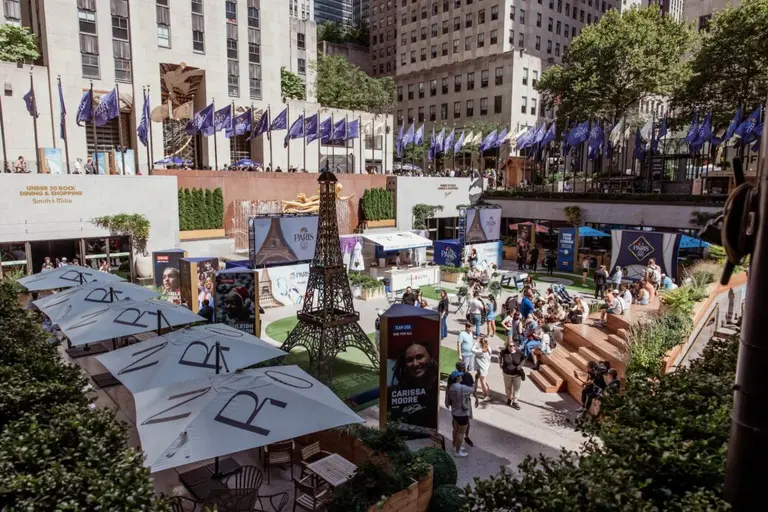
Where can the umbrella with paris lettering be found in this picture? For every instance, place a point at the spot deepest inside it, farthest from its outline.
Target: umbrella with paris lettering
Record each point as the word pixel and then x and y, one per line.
pixel 66 276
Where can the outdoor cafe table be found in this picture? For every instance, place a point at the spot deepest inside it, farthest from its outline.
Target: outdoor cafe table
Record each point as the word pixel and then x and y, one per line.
pixel 333 469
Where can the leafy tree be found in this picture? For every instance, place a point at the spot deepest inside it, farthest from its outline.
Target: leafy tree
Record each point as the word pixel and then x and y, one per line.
pixel 414 153
pixel 339 34
pixel 291 85
pixel 618 62
pixel 17 44
pixel 340 84
pixel 731 66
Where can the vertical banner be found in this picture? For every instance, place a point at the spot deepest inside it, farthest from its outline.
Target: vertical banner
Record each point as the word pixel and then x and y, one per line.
pixel 447 252
pixel 130 163
pixel 53 162
pixel 167 274
pixel 237 299
pixel 524 235
pixel 198 276
pixel 410 362
pixel 566 244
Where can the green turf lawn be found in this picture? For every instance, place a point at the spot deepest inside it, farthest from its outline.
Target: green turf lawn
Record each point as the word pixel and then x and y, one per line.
pixel 575 287
pixel 352 371
pixel 432 292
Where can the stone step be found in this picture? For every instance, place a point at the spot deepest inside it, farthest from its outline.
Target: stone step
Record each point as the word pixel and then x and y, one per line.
pixel 553 377
pixel 559 362
pixel 595 339
pixel 617 341
pixel 542 382
pixel 623 334
pixel 616 322
pixel 588 355
pixel 579 361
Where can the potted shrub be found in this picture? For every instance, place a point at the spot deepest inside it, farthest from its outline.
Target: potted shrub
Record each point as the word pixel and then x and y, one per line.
pixel 372 289
pixel 509 248
pixel 453 274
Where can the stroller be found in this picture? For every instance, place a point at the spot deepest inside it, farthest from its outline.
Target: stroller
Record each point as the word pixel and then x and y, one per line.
pixel 562 294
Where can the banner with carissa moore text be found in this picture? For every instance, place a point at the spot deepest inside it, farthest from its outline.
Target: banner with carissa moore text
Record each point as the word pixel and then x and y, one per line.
pixel 287 284
pixel 483 224
pixel 280 240
pixel 410 353
pixel 566 243
pixel 237 301
pixel 488 253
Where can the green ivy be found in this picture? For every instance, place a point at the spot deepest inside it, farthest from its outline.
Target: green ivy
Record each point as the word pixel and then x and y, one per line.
pixel 133 225
pixel 55 452
pixel 378 204
pixel 422 212
pixel 200 209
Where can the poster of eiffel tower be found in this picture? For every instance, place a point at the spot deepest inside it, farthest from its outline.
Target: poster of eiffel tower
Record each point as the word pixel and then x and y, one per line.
pixel 475 232
pixel 328 323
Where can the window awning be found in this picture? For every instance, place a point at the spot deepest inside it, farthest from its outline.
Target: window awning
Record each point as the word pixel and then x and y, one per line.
pixel 398 241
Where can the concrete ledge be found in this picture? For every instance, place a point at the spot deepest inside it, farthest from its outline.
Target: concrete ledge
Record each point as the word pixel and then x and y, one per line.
pixel 202 234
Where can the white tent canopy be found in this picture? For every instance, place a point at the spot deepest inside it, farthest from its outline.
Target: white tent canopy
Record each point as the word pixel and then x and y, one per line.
pixel 184 355
pixel 79 299
pixel 224 414
pixel 124 318
pixel 398 241
pixel 65 277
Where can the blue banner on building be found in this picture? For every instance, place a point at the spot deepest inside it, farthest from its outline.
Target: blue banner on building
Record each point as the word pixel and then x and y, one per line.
pixel 447 252
pixel 566 245
pixel 633 249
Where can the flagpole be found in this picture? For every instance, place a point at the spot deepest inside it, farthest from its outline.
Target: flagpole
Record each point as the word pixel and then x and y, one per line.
pixel 34 119
pixel 250 133
pixel 373 138
pixel 95 134
pixel 346 134
pixel 384 158
pixel 304 131
pixel 64 125
pixel 269 135
pixel 2 134
pixel 150 145
pixel 231 129
pixel 360 141
pixel 333 146
pixel 288 135
pixel 215 142
pixel 120 127
pixel 149 156
pixel 319 142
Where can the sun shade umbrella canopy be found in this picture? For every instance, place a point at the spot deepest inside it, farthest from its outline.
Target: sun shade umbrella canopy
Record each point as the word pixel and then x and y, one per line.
pixel 223 414
pixel 187 354
pixel 66 277
pixel 124 318
pixel 588 231
pixel 80 299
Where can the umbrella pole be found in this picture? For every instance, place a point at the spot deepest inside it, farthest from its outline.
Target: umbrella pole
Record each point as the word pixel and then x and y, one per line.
pixel 216 473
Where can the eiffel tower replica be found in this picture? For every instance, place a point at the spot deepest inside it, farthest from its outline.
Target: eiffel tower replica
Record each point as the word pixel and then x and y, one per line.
pixel 328 322
pixel 475 233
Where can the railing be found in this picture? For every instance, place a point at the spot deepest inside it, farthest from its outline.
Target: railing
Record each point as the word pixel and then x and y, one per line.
pixel 705 200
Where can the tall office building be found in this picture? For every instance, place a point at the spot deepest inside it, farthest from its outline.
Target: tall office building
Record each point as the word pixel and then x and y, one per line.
pixel 700 12
pixel 301 9
pixel 465 60
pixel 383 37
pixel 361 11
pixel 336 11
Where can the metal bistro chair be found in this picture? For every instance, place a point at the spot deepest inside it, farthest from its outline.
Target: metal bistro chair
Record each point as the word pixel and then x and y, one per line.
pixel 310 454
pixel 247 477
pixel 278 501
pixel 231 500
pixel 309 497
pixel 182 504
pixel 278 454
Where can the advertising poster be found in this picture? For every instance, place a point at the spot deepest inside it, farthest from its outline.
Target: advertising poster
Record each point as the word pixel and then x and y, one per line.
pixel 237 300
pixel 524 235
pixel 102 162
pixel 130 162
pixel 447 252
pixel 566 245
pixel 287 284
pixel 410 352
pixel 483 224
pixel 633 249
pixel 488 253
pixel 198 277
pixel 54 161
pixel 167 274
pixel 278 240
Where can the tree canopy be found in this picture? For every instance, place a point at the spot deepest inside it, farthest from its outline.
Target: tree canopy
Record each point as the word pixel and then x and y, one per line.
pixel 340 84
pixel 338 33
pixel 291 85
pixel 17 44
pixel 618 62
pixel 731 66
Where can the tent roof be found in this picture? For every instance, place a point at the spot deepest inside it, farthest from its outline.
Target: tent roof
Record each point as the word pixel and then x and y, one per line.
pixel 588 231
pixel 688 242
pixel 399 240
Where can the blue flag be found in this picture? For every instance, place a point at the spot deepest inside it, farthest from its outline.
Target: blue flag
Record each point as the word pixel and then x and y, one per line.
pixel 142 132
pixel 500 139
pixel 693 130
pixel 85 109
pixel 241 124
pixel 108 109
pixel 31 103
pixel 609 149
pixel 746 128
pixel 296 131
pixel 732 126
pixel 432 146
pixel 222 119
pixel 596 139
pixel 757 134
pixel 419 137
pixel 639 146
pixel 564 140
pixel 63 117
pixel 339 130
pixel 704 134
pixel 522 141
pixel 459 143
pixel 311 128
pixel 281 121
pixel 439 141
pixel 326 130
pixel 409 137
pixel 353 131
pixel 548 137
pixel 662 133
pixel 579 134
pixel 488 140
pixel 448 142
pixel 399 140
pixel 202 122
pixel 261 126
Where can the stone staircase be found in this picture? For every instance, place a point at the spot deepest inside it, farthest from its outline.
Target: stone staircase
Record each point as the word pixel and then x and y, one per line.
pixel 586 342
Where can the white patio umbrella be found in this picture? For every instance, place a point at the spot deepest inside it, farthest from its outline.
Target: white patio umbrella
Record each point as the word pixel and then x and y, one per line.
pixel 124 318
pixel 65 277
pixel 186 354
pixel 223 414
pixel 81 298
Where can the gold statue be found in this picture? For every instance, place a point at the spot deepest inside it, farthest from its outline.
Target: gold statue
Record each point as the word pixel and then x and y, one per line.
pixel 311 204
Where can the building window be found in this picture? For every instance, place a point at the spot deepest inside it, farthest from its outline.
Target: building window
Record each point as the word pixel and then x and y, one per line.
pixel 468 43
pixel 254 81
pixel 456 109
pixel 432 112
pixel 13 12
pixel 535 78
pixel 302 67
pixel 525 76
pixel 558 28
pixel 411 91
pixel 423 33
pixel 549 47
pixel 538 43
pixel 468 21
pixel 163 36
pixel 120 28
pixel 434 9
pixel 399 93
pixel 483 106
pixel 410 115
pixel 413 56
pixel 533 106
pixel 445 5
pixel 423 13
pixel 524 105
pixel 421 114
pixel 497 104
pixel 413 36
pixel 512 13
pixel 423 54
pixel 494 12
pixel 433 51
pixel 443 111
pixel 254 53
pixel 567 9
pixel 455 46
pixel 230 8
pixel 90 64
pixel 444 85
pixel 457 83
pixel 233 78
pixel 434 30
pixel 433 87
pixel 444 49
pixel 198 41
pixel 494 36
pixel 521 40
pixel 511 37
pixel 573 32
pixel 421 89
pixel 499 76
pixel 232 48
pixel 549 24
pixel 253 18
pixel 522 16
pixel 483 78
pixel 445 27
pixel 559 5
pixel 471 81
pixel 456 23
pixel 163 24
pixel 538 20
pixel 301 42
pixel 557 49
pixel 481 39
pixel 470 108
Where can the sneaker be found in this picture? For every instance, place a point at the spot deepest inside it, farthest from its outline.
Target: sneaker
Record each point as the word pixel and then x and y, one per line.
pixel 487 398
pixel 509 402
pixel 516 406
pixel 460 453
pixel 469 442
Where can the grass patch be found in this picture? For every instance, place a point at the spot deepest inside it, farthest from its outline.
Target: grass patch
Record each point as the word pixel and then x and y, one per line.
pixel 432 292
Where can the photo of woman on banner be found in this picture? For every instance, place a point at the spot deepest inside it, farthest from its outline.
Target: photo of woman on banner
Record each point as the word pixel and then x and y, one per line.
pixel 413 385
pixel 172 285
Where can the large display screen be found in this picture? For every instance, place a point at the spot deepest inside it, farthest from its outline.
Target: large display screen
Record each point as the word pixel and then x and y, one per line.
pixel 483 224
pixel 280 240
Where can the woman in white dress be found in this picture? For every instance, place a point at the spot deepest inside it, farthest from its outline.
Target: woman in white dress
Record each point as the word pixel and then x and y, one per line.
pixel 483 363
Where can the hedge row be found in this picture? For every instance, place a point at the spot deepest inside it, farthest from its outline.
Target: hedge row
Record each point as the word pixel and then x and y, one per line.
pixel 378 204
pixel 55 452
pixel 200 209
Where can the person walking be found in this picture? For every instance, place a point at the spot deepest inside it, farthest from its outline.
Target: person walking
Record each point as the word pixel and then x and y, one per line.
pixel 550 262
pixel 458 401
pixel 534 258
pixel 490 316
pixel 476 312
pixel 511 361
pixel 616 277
pixel 464 345
pixel 601 278
pixel 585 270
pixel 483 362
pixel 442 308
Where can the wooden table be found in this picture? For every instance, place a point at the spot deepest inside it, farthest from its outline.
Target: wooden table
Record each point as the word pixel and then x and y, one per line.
pixel 334 469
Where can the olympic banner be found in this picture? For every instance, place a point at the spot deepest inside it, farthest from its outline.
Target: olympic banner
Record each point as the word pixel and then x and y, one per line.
pixel 237 300
pixel 280 240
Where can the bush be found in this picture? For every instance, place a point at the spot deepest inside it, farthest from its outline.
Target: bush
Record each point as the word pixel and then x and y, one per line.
pixel 453 270
pixel 444 468
pixel 365 281
pixel 649 341
pixel 448 498
pixel 200 209
pixel 378 204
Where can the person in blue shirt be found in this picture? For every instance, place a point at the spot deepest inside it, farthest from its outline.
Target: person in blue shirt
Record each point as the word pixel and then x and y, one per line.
pixel 666 282
pixel 464 347
pixel 490 316
pixel 526 305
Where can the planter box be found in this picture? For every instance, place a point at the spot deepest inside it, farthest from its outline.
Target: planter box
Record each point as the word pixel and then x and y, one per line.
pixel 510 253
pixel 202 234
pixel 385 223
pixel 425 492
pixel 406 500
pixel 451 277
pixel 372 293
